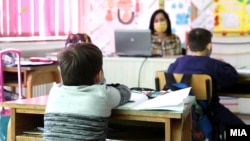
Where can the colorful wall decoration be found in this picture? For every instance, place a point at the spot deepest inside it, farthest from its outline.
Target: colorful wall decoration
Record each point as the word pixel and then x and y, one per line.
pixel 202 14
pixel 102 17
pixel 232 17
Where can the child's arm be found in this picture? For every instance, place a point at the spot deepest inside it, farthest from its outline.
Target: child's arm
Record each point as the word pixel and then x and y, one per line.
pixel 121 90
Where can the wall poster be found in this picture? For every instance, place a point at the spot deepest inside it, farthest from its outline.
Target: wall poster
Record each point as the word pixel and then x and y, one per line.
pixel 231 17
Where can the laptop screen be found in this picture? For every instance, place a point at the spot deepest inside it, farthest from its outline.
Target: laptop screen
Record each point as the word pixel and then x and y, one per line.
pixel 133 42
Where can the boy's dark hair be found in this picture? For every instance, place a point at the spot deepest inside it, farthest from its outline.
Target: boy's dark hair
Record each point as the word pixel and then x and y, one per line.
pixel 80 63
pixel 198 38
pixel 151 23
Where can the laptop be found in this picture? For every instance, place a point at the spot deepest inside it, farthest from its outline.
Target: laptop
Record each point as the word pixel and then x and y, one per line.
pixel 133 42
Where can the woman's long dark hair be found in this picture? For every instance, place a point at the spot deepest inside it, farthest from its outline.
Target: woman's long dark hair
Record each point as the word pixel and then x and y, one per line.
pixel 151 23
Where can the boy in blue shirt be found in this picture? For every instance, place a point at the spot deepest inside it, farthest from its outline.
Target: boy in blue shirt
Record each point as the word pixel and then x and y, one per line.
pixel 199 62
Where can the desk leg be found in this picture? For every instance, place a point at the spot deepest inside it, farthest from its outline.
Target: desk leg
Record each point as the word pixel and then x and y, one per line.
pixel 176 133
pixel 29 83
pixel 168 130
pixel 29 90
pixel 9 131
pixel 187 127
pixel 181 129
pixel 12 123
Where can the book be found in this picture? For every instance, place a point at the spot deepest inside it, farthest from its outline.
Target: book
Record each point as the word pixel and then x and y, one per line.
pixel 173 101
pixel 232 108
pixel 243 105
pixel 36 131
pixel 227 100
pixel 243 71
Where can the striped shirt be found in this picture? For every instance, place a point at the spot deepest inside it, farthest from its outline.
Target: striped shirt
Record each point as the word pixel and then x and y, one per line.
pixel 171 45
pixel 81 112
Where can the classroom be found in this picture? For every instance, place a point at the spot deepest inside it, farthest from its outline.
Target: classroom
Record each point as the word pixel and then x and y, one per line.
pixel 40 30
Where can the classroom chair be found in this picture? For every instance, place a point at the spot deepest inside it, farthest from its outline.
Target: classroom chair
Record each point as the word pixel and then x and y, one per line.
pixel 18 56
pixel 201 84
pixel 5 114
pixel 201 88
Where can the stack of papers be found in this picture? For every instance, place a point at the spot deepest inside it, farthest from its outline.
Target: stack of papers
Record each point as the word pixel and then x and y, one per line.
pixel 243 71
pixel 171 101
pixel 230 102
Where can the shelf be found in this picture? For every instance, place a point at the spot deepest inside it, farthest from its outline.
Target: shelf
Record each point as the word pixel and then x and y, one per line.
pixel 28 137
pixel 239 95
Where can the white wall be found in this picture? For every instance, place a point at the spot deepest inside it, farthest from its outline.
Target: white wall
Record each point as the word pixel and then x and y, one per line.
pixel 235 50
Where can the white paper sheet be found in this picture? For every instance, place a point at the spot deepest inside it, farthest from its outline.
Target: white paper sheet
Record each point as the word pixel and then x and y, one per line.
pixel 136 98
pixel 170 101
pixel 27 63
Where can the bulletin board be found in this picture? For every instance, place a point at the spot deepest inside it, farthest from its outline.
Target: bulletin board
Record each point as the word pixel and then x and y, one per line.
pixel 231 17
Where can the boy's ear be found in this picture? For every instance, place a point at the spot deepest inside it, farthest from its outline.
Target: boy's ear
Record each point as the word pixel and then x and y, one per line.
pixel 99 77
pixel 209 46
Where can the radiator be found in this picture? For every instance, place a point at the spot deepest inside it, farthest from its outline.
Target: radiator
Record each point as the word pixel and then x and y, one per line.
pixel 38 90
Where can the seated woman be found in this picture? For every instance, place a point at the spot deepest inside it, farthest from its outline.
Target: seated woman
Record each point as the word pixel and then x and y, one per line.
pixel 164 42
pixel 77 38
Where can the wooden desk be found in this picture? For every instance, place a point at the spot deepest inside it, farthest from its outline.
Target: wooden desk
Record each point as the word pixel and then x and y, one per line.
pixel 243 80
pixel 32 75
pixel 26 114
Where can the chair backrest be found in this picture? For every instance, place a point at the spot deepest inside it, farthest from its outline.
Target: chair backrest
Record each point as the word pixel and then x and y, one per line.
pixel 201 84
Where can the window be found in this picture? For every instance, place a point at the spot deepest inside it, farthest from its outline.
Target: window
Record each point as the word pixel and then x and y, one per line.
pixel 39 18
